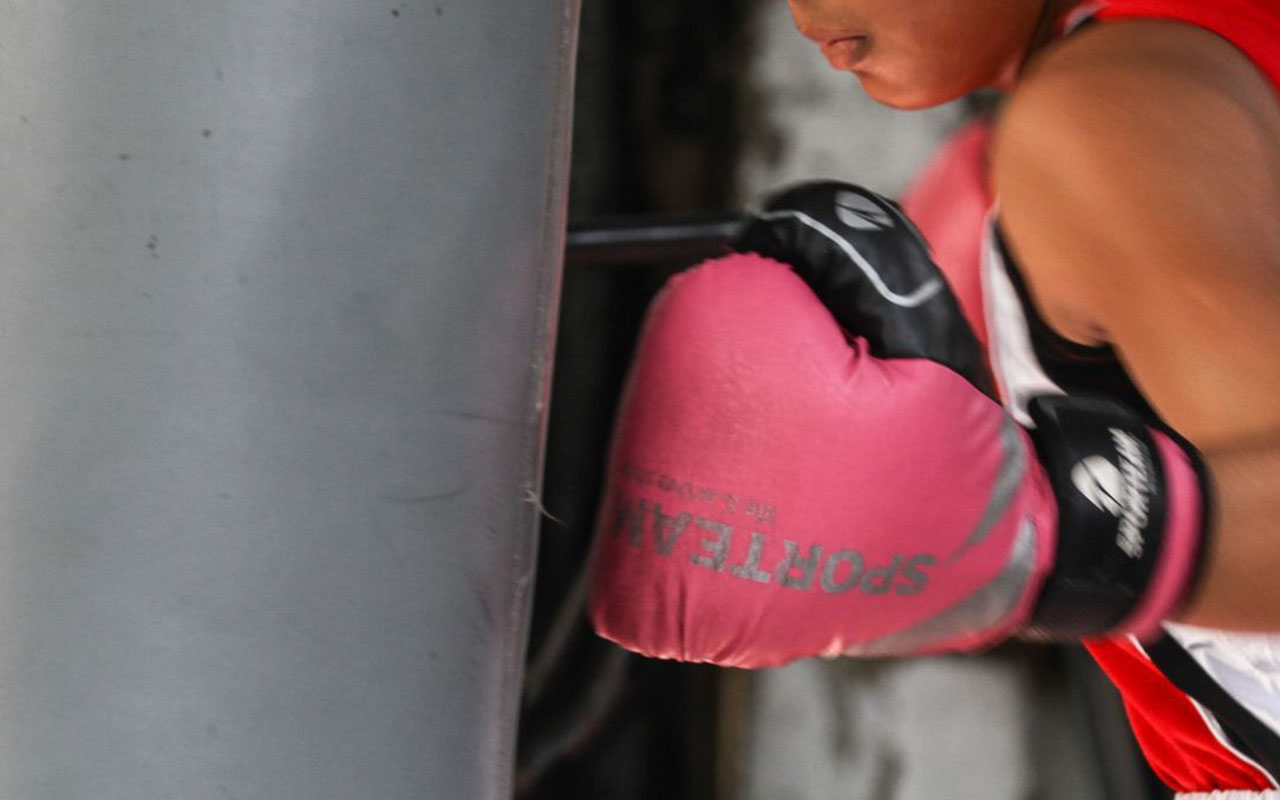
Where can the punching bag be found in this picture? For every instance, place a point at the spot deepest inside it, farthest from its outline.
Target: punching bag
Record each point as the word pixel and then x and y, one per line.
pixel 277 285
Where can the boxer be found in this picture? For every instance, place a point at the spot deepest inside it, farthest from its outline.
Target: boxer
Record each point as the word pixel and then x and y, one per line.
pixel 816 456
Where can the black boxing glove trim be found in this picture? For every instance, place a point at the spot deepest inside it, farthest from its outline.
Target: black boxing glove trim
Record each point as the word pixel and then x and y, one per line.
pixel 1109 481
pixel 871 268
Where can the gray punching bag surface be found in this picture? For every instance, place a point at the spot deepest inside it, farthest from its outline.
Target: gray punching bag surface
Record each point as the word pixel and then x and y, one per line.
pixel 276 285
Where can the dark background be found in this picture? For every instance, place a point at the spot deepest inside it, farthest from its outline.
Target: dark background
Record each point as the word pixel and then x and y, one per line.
pixel 656 132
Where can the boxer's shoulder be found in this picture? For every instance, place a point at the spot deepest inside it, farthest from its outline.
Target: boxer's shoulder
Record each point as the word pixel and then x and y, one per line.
pixel 1162 100
pixel 1137 106
pixel 1148 55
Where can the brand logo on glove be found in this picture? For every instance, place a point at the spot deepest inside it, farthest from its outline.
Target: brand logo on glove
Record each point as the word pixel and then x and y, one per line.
pixel 1101 483
pixel 861 213
pixel 834 573
pixel 1123 492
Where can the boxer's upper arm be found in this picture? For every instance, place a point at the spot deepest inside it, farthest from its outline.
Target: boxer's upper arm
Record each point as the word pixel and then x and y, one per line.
pixel 1138 172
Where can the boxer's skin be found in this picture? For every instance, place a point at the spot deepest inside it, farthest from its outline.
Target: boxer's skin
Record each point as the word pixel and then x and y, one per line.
pixel 1138 169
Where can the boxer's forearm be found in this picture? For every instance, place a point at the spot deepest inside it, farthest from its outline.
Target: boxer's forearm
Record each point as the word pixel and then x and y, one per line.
pixel 1238 589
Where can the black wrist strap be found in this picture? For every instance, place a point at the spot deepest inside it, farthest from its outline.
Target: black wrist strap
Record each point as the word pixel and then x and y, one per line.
pixel 1109 481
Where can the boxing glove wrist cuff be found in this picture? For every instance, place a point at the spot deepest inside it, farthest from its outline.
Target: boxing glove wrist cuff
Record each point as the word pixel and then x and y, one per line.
pixel 1132 512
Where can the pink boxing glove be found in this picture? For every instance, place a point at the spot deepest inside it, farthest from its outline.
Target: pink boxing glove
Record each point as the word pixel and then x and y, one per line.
pixel 949 201
pixel 794 476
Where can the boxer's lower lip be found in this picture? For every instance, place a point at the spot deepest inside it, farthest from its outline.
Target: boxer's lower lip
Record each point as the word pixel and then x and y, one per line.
pixel 856 49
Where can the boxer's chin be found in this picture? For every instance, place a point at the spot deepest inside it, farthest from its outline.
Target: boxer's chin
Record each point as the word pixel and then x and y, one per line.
pixel 907 94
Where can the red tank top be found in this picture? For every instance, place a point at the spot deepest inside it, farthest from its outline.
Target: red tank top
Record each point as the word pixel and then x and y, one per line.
pixel 1253 26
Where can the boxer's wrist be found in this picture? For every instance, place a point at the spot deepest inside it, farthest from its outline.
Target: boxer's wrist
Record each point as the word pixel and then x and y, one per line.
pixel 1131 515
